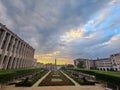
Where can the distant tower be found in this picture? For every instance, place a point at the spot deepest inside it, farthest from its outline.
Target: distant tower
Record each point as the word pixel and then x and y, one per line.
pixel 55 67
pixel 55 61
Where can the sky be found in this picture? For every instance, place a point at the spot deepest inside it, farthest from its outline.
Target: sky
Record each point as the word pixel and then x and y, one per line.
pixel 65 29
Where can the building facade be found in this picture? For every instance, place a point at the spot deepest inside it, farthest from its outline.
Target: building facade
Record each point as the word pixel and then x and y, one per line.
pixel 107 64
pixel 115 59
pixel 50 66
pixel 86 63
pixel 103 64
pixel 100 64
pixel 14 52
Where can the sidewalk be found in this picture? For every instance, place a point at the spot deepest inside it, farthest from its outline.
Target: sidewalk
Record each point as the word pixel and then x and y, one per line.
pixel 40 80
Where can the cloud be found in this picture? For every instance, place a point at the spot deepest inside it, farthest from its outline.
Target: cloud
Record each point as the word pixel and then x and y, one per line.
pixel 72 35
pixel 63 28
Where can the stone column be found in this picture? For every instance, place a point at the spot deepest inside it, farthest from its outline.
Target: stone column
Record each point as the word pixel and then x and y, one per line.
pixel 1 41
pixel 9 52
pixel 14 58
pixel 4 50
pixel 23 64
pixel 2 38
pixel 18 54
pixel 22 53
pixel 14 54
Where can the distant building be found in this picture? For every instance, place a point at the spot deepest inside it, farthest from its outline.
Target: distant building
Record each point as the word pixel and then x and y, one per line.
pixel 111 63
pixel 34 63
pixel 103 64
pixel 40 65
pixel 50 66
pixel 115 59
pixel 85 63
pixel 55 66
pixel 15 53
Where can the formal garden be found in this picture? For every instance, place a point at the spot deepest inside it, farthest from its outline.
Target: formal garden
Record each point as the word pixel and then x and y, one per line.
pixel 110 77
pixel 81 78
pixel 56 78
pixel 26 77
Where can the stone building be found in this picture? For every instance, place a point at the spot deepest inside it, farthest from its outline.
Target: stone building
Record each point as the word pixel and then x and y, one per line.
pixel 14 52
pixel 103 64
pixel 87 63
pixel 115 59
pixel 100 64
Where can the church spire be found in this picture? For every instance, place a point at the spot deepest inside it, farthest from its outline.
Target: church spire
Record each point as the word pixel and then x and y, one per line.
pixel 55 61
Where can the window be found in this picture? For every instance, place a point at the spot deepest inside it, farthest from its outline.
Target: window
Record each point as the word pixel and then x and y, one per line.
pixel 0 58
pixel 1 31
pixel 17 46
pixel 4 60
pixel 4 41
pixel 10 43
pixel 9 63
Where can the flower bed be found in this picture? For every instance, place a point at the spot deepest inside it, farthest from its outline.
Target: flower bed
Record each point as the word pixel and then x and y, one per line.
pixel 56 78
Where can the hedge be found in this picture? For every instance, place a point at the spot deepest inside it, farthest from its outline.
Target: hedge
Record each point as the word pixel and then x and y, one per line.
pixel 9 75
pixel 109 76
pixel 33 80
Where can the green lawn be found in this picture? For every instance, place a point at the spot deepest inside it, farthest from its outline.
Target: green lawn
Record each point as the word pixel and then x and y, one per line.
pixel 98 71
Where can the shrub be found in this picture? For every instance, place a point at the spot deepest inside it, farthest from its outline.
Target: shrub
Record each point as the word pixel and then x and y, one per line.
pixel 30 81
pixel 109 76
pixel 9 75
pixel 81 81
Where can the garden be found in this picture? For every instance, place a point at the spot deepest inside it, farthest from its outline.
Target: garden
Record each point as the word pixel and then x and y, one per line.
pixel 109 76
pixel 8 76
pixel 32 79
pixel 56 78
pixel 82 79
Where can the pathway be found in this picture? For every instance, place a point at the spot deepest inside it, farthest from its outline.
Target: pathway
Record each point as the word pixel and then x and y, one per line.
pixel 40 80
pixel 76 84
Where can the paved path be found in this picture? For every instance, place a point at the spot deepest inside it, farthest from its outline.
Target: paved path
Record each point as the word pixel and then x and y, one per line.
pixel 76 84
pixel 38 82
pixel 96 87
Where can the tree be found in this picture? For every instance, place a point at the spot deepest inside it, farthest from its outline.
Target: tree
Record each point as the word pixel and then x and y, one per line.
pixel 80 64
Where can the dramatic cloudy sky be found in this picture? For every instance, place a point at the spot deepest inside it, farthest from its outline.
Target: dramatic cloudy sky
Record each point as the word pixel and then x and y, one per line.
pixel 65 29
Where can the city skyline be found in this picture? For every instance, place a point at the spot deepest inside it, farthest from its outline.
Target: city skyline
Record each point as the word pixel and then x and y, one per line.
pixel 65 29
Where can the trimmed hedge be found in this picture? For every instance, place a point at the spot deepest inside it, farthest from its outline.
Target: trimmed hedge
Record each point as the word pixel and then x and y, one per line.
pixel 9 75
pixel 33 80
pixel 6 77
pixel 109 76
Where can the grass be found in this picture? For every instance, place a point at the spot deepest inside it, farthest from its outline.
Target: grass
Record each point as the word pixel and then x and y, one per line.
pixel 117 74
